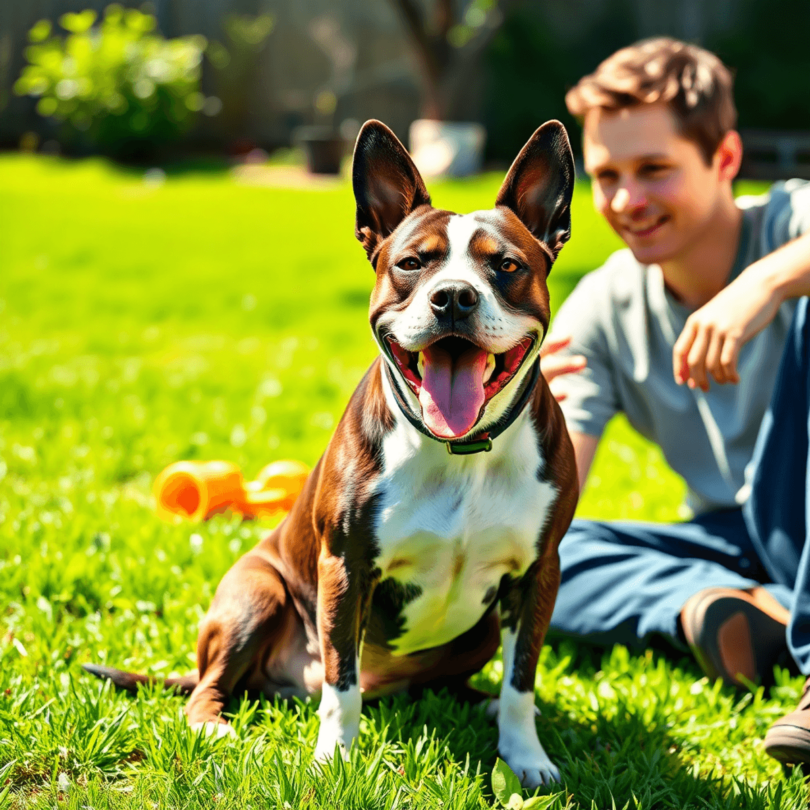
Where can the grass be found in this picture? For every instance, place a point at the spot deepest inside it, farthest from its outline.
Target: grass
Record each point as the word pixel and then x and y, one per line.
pixel 145 322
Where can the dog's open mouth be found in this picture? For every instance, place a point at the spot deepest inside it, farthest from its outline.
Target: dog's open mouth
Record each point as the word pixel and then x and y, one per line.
pixel 454 379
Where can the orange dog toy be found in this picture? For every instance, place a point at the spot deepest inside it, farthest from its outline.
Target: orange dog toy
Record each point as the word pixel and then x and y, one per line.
pixel 196 490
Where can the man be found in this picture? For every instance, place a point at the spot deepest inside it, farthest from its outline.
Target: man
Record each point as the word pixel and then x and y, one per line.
pixel 705 291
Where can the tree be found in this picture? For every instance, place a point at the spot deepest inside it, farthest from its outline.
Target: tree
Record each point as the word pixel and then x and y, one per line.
pixel 448 38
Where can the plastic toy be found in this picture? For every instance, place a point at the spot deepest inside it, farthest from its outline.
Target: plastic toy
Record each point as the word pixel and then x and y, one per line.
pixel 196 490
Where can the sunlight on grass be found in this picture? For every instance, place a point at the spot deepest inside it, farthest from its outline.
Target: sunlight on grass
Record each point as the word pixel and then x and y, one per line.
pixel 142 322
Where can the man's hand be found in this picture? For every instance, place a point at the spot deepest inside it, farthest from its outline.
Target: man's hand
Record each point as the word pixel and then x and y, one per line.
pixel 711 340
pixel 714 334
pixel 553 365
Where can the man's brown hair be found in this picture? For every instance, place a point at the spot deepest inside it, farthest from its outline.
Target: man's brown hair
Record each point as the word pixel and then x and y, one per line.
pixel 695 85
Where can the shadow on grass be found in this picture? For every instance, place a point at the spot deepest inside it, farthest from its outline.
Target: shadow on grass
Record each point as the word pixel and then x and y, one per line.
pixel 627 743
pixel 617 762
pixel 619 729
pixel 209 165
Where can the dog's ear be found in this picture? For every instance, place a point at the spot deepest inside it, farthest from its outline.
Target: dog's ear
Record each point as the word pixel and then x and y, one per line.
pixel 387 185
pixel 540 184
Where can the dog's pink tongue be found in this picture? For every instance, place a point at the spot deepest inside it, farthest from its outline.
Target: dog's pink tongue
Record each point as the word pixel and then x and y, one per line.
pixel 452 391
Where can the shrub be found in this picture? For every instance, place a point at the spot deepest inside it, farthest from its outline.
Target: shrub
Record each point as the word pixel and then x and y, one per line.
pixel 118 87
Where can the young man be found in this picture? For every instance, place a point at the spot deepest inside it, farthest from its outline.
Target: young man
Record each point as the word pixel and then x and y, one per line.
pixel 705 291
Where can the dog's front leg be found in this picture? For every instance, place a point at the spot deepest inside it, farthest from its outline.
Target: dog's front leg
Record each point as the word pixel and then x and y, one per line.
pixel 340 621
pixel 526 606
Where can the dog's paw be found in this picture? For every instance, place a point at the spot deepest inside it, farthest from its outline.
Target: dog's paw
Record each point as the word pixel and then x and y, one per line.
pixel 492 706
pixel 325 751
pixel 340 721
pixel 534 771
pixel 213 728
pixel 525 755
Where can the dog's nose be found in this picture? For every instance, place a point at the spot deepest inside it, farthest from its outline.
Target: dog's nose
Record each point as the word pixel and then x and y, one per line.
pixel 456 298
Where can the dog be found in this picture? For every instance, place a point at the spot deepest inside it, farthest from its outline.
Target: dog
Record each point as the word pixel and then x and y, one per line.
pixel 427 533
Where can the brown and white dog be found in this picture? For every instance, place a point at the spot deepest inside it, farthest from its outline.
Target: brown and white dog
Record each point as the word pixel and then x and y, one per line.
pixel 400 561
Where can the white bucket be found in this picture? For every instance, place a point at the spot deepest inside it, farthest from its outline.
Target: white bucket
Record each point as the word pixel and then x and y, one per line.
pixel 454 148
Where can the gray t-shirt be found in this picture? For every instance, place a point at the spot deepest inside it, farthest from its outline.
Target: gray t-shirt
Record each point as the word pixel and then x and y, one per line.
pixel 625 321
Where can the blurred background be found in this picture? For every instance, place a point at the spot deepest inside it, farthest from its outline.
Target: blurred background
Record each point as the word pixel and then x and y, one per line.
pixel 180 280
pixel 235 76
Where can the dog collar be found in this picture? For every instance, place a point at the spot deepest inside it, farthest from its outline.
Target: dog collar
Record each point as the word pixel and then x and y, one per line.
pixel 481 443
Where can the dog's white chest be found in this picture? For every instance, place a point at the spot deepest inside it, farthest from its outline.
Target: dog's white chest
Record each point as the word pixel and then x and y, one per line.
pixel 449 528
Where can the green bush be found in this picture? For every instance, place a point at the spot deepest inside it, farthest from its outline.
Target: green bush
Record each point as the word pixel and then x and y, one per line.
pixel 119 87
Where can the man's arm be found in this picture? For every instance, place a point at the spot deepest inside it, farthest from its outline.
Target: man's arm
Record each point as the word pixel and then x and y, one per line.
pixel 556 365
pixel 711 340
pixel 584 451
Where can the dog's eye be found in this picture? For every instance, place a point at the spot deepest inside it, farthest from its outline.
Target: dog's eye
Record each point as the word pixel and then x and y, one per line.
pixel 509 266
pixel 409 264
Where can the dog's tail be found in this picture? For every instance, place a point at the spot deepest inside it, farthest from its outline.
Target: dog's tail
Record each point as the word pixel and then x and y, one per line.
pixel 130 680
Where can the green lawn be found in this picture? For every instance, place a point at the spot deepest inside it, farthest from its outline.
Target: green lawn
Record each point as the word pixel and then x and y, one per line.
pixel 142 323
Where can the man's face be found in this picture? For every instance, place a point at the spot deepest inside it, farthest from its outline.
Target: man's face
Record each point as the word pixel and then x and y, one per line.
pixel 650 183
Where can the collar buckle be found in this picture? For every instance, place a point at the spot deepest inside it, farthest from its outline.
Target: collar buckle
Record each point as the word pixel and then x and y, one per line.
pixel 469 448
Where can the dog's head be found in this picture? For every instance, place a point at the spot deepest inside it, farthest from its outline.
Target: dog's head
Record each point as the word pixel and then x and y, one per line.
pixel 460 306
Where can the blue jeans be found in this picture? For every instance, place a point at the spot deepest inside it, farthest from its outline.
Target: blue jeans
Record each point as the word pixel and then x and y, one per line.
pixel 627 582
